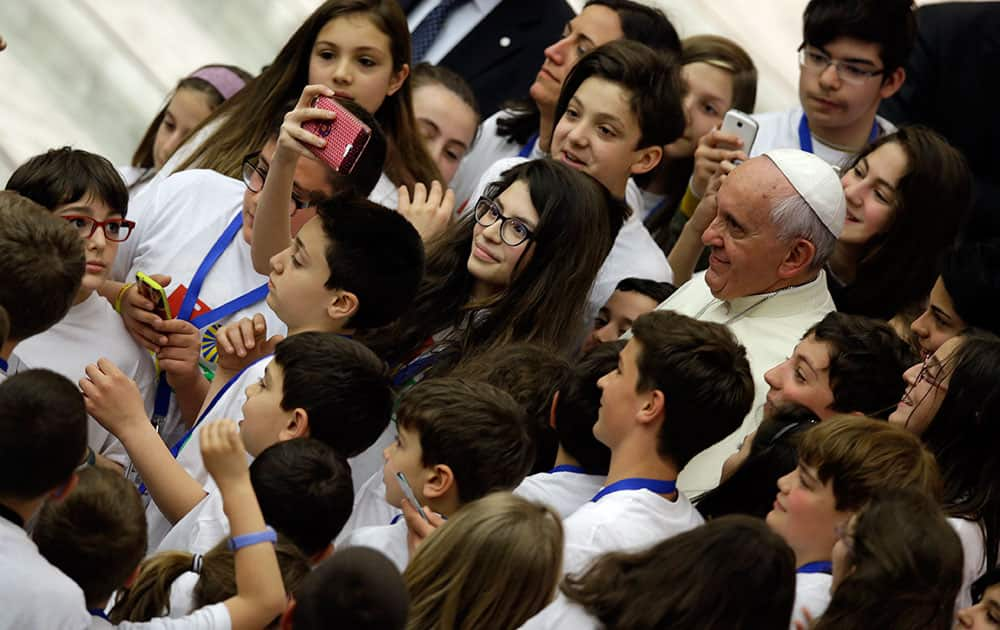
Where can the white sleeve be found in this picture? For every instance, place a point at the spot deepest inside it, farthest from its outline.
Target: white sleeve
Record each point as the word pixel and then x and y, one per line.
pixel 214 617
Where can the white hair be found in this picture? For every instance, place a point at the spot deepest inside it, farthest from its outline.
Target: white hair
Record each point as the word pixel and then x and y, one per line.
pixel 794 218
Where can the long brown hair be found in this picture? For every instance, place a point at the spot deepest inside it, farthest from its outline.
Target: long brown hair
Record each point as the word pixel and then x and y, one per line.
pixel 245 119
pixel 149 594
pixel 545 300
pixel 495 564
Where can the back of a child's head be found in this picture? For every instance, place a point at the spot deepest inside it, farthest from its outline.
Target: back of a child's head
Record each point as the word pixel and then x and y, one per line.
pixel 96 535
pixel 305 492
pixel 651 80
pixel 67 175
pixel 704 375
pixel 533 375
pixel 522 544
pixel 860 456
pixel 356 589
pixel 342 386
pixel 867 358
pixel 148 596
pixel 643 23
pixel 476 429
pixel 374 253
pixel 43 433
pixel 891 24
pixel 43 265
pixel 579 404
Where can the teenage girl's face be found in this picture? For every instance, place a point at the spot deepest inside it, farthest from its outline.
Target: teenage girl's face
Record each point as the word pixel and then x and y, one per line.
pixel 871 189
pixel 491 261
pixel 185 111
pixel 99 251
pixel 939 322
pixel 926 386
pixel 353 57
pixel 709 97
pixel 805 514
pixel 447 125
pixel 983 616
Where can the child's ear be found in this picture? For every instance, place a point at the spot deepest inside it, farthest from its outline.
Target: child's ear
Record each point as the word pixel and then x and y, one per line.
pixel 440 481
pixel 320 556
pixel 397 80
pixel 63 490
pixel 343 306
pixel 652 409
pixel 286 617
pixel 645 159
pixel 552 410
pixel 297 426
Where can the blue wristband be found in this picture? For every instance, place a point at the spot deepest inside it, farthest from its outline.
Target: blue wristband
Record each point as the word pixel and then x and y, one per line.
pixel 238 542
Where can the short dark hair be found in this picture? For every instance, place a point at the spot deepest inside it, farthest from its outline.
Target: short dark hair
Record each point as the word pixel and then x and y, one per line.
pixel 644 24
pixel 374 253
pixel 889 23
pixel 476 429
pixel 971 275
pixel 43 265
pixel 704 375
pixel 43 433
pixel 358 588
pixel 652 79
pixel 576 412
pixel 341 384
pixel 96 535
pixel 305 491
pixel 867 358
pixel 532 374
pixel 66 175
pixel 988 579
pixel 656 291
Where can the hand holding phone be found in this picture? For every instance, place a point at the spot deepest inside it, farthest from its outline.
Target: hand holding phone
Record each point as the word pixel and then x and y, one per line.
pixel 346 136
pixel 742 126
pixel 154 292
pixel 412 498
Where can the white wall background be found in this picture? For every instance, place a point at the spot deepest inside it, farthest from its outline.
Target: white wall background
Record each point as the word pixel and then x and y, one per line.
pixel 93 73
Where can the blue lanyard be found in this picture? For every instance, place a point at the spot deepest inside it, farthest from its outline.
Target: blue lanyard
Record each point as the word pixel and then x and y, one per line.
pixel 657 486
pixel 805 137
pixel 567 468
pixel 816 567
pixel 529 147
pixel 97 612
pixel 415 368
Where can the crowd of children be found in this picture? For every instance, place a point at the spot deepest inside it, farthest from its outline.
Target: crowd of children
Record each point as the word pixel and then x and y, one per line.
pixel 518 372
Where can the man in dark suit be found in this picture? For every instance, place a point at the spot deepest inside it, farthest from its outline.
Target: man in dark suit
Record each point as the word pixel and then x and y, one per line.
pixel 497 46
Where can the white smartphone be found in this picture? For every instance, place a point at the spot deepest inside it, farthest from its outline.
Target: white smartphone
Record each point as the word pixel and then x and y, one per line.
pixel 408 493
pixel 742 125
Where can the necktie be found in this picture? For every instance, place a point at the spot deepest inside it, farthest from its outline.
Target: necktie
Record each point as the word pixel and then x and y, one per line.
pixel 427 31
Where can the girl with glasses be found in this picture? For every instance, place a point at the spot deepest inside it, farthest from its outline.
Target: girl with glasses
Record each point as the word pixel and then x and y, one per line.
pixel 953 403
pixel 518 268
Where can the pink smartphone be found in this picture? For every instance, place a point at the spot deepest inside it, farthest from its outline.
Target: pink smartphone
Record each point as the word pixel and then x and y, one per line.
pixel 346 136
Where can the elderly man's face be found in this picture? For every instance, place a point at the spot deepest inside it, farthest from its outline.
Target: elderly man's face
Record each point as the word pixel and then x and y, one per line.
pixel 746 251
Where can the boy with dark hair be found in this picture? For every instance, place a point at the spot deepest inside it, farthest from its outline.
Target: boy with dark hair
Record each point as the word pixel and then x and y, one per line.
pixel 87 192
pixel 965 295
pixel 632 297
pixel 458 440
pixel 852 56
pixel 842 463
pixel 680 386
pixel 844 364
pixel 43 267
pixel 581 463
pixel 43 436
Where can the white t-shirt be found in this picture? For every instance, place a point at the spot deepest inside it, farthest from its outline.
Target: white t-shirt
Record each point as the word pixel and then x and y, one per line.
pixel 626 520
pixel 371 460
pixel 214 617
pixel 33 593
pixel 89 331
pixel 812 592
pixel 370 508
pixel 563 614
pixel 202 528
pixel 973 541
pixel 182 594
pixel 136 179
pixel 229 405
pixel 780 130
pixel 565 491
pixel 389 539
pixel 385 193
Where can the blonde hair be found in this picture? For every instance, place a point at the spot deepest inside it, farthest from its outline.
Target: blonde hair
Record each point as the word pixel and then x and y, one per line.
pixel 862 456
pixel 493 565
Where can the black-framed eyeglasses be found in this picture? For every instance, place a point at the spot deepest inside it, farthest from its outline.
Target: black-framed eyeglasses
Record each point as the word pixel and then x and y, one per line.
pixel 513 231
pixel 115 229
pixel 849 72
pixel 254 176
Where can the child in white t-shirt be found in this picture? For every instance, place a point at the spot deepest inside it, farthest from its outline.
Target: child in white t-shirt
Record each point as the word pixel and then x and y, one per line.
pixel 86 191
